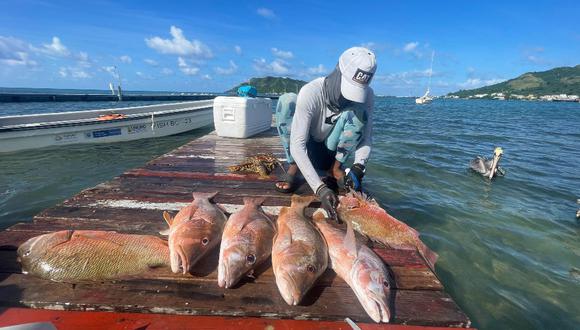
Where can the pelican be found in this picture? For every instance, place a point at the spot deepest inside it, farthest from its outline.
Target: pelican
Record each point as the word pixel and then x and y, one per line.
pixel 488 167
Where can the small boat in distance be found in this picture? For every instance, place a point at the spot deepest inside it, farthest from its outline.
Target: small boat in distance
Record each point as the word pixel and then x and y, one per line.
pixel 101 126
pixel 425 99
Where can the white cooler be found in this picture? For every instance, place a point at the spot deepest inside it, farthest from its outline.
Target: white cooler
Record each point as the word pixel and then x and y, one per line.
pixel 241 117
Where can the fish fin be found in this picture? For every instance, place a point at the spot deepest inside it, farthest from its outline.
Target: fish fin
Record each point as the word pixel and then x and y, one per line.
pixel 301 201
pixel 202 195
pixel 222 208
pixel 168 218
pixel 350 240
pixel 427 254
pixel 204 219
pixel 254 200
pixel 97 236
pixel 165 232
pixel 283 233
pixel 387 245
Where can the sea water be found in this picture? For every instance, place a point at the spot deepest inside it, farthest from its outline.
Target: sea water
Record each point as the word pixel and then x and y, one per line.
pixel 509 249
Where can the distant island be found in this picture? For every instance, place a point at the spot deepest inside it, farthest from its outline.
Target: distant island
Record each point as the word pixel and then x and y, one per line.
pixel 272 85
pixel 558 84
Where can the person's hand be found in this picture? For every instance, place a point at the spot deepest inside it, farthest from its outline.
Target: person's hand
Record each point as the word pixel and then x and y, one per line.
pixel 329 201
pixel 353 177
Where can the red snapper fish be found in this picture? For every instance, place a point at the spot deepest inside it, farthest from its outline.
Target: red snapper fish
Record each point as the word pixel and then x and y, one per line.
pixel 299 254
pixel 194 231
pixel 246 242
pixel 368 218
pixel 359 267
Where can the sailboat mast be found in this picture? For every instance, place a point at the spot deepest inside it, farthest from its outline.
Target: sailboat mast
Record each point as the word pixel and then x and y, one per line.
pixel 430 72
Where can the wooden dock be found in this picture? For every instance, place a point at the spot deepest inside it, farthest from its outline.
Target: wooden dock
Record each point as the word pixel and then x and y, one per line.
pixel 134 203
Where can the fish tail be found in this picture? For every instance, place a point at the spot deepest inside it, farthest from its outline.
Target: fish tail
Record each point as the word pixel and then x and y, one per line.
pixel 301 201
pixel 318 215
pixel 202 195
pixel 427 254
pixel 254 200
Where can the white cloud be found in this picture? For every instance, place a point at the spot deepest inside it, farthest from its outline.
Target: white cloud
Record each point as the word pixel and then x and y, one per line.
pixel 151 62
pixel 166 71
pixel 83 57
pixel 186 68
pixel 535 56
pixel 15 52
pixel 277 66
pixel 369 45
pixel 75 73
pixel 227 71
pixel 111 70
pixel 238 49
pixel 206 77
pixel 143 75
pixel 56 48
pixel 266 13
pixel 282 53
pixel 410 47
pixel 317 70
pixel 179 45
pixel 126 59
pixel 83 60
pixel 478 82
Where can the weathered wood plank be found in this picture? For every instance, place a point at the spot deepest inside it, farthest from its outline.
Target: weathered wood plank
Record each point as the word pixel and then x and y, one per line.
pixel 323 303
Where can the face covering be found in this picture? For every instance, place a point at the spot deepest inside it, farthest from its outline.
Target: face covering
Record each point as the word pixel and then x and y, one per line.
pixel 332 96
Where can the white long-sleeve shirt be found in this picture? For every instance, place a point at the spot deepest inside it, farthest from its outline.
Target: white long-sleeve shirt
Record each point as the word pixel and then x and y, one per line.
pixel 310 122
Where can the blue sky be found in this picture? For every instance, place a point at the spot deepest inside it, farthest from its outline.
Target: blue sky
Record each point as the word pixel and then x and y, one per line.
pixel 214 45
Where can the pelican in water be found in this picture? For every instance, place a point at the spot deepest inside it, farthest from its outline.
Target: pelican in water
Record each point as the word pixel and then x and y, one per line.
pixel 488 167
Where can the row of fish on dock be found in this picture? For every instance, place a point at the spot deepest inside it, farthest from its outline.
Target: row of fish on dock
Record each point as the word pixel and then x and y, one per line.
pixel 301 248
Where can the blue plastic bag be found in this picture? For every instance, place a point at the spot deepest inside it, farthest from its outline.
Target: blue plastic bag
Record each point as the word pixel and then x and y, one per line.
pixel 247 91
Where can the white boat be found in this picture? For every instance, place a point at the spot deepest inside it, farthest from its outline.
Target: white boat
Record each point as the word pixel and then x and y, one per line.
pixel 101 126
pixel 425 99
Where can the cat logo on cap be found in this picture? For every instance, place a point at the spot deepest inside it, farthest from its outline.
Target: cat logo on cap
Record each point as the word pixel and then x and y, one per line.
pixel 362 77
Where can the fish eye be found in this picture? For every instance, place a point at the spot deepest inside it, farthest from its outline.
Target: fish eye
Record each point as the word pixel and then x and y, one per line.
pixel 386 283
pixel 310 268
pixel 27 253
pixel 204 241
pixel 250 258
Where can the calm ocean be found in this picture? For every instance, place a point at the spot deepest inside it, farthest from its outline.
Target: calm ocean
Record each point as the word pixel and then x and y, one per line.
pixel 509 249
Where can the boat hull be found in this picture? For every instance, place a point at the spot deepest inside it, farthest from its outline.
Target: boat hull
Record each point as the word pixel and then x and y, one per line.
pixel 143 126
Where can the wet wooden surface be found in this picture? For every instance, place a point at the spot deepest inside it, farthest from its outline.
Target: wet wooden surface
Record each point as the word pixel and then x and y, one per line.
pixel 134 203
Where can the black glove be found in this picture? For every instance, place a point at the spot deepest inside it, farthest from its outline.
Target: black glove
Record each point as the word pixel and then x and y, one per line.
pixel 353 177
pixel 328 200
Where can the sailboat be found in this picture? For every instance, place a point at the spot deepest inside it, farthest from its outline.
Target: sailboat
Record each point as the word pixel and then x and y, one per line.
pixel 425 99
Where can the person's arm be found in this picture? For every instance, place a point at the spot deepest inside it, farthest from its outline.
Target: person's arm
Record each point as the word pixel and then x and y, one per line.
pixel 306 108
pixel 363 151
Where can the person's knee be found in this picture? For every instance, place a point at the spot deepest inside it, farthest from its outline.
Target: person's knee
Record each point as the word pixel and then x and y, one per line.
pixel 286 103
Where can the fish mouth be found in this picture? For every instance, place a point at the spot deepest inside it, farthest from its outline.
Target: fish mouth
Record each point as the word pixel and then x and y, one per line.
pixel 179 260
pixel 381 312
pixel 288 290
pixel 223 276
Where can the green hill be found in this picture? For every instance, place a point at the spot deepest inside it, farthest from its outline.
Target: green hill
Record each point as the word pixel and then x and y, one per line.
pixel 564 80
pixel 274 85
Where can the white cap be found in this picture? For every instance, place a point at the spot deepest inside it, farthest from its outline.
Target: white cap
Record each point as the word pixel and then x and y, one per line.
pixel 358 66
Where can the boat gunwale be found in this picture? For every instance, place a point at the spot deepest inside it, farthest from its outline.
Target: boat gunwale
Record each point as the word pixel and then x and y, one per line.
pixel 93 121
pixel 103 110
